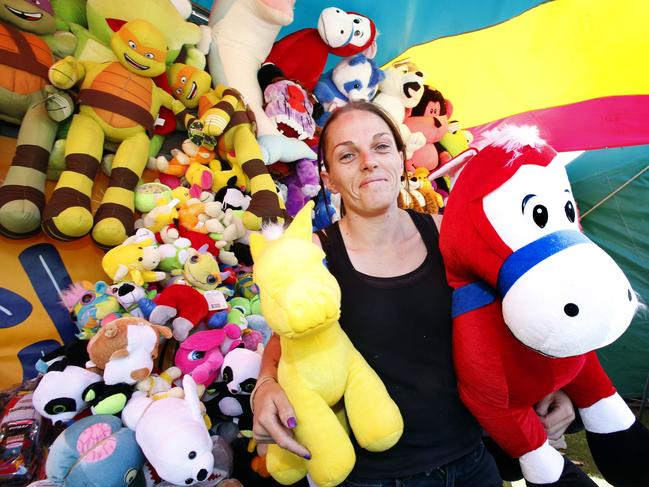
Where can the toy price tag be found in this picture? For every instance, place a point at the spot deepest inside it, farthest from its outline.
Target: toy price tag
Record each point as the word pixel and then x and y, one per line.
pixel 215 300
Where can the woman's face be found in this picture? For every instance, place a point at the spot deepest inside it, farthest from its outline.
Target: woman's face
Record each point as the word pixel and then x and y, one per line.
pixel 364 164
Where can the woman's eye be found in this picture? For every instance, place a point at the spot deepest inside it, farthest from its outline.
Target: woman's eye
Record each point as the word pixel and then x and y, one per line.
pixel 383 147
pixel 347 156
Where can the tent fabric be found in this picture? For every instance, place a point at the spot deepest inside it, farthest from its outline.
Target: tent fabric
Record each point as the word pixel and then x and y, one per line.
pixel 621 227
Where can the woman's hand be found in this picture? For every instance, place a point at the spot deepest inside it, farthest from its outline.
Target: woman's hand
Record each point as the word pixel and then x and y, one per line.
pixel 274 418
pixel 556 412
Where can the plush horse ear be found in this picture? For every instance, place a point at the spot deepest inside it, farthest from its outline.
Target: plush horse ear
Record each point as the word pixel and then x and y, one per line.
pixel 301 226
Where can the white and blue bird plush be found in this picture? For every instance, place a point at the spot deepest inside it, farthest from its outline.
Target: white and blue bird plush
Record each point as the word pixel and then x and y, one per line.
pixel 354 78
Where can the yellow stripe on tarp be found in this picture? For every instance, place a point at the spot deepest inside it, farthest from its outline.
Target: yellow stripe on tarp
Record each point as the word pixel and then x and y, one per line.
pixel 557 53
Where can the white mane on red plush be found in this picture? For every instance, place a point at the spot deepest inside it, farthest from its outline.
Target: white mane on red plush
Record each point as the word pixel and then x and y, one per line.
pixel 513 138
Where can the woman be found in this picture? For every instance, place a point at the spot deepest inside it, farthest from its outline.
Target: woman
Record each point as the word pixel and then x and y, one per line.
pixel 396 310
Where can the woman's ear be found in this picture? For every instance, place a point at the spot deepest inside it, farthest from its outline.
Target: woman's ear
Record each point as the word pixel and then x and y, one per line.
pixel 329 184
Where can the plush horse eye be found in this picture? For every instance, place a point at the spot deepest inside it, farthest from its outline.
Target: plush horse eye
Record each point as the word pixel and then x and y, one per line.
pixel 192 455
pixel 570 211
pixel 211 279
pixel 196 355
pixel 540 215
pixel 87 298
pixel 194 259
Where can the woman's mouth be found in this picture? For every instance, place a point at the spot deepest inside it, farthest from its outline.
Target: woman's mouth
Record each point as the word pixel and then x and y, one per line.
pixel 369 181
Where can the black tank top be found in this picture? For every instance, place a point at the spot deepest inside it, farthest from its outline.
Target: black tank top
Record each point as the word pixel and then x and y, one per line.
pixel 402 326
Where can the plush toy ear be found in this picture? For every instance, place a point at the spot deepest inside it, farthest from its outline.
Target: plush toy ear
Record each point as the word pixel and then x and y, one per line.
pixel 163 330
pixel 101 287
pixel 121 273
pixel 191 397
pixel 371 51
pixel 301 225
pixel 449 107
pixel 115 24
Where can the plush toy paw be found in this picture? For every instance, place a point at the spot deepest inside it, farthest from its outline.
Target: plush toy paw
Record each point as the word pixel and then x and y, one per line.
pixel 161 314
pixel 59 104
pixel 182 327
pixel 64 74
pixel 109 232
pixel 214 125
pixel 71 223
pixel 281 148
pixel 19 218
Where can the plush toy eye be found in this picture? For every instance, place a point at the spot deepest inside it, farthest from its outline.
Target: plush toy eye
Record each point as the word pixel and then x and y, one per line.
pixel 140 259
pixel 195 355
pixel 179 91
pixel 59 409
pixel 211 280
pixel 192 455
pixel 149 55
pixel 357 33
pixel 194 259
pixel 540 215
pixel 227 374
pixel 570 211
pixel 87 298
pixel 183 79
pixel 357 21
pixel 130 476
pixel 132 45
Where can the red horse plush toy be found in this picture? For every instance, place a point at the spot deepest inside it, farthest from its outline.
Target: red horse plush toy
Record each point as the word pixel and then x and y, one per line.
pixel 533 297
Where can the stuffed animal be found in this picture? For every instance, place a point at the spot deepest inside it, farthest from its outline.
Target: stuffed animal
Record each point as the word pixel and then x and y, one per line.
pixel 169 16
pixel 27 51
pixel 292 279
pixel 201 355
pixel 341 33
pixel 243 32
pixel 129 295
pixel 430 117
pixel 59 394
pixel 172 434
pixel 125 348
pixel 118 101
pixel 107 399
pixel 133 261
pixel 417 193
pixel 90 306
pixel 402 89
pixel 192 298
pixel 96 450
pixel 353 79
pixel 533 298
pixel 231 396
pixel 222 113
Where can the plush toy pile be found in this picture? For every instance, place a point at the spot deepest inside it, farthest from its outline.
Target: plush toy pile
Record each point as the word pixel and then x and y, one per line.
pixel 156 386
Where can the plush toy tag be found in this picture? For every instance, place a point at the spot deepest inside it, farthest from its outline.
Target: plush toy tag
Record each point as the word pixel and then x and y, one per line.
pixel 215 300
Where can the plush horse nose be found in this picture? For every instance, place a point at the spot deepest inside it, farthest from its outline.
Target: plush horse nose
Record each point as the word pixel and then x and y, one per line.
pixel 571 309
pixel 202 474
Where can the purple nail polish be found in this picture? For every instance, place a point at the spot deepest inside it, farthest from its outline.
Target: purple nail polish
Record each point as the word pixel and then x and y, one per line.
pixel 307 456
pixel 291 422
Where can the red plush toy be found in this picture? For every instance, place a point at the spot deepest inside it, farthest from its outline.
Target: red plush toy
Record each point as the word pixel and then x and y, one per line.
pixel 303 54
pixel 533 297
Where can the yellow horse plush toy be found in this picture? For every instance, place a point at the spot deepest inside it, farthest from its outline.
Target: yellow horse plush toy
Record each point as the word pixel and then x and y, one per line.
pixel 319 366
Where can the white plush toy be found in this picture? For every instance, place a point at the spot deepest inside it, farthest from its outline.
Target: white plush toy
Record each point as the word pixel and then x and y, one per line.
pixel 402 88
pixel 353 79
pixel 172 434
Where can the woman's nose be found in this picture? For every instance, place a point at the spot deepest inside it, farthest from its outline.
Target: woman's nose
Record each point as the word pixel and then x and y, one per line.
pixel 367 160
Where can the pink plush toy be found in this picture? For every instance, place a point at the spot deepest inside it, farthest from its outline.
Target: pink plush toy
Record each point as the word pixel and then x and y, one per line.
pixel 201 355
pixel 341 33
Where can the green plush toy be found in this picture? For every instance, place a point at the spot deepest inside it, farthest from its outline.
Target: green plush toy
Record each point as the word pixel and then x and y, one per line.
pixel 29 44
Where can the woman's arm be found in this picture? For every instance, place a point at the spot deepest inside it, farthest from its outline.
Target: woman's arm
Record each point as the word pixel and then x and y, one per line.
pixel 273 415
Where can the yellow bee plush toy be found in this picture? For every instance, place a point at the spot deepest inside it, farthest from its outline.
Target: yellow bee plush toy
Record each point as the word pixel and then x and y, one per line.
pixel 117 101
pixel 319 366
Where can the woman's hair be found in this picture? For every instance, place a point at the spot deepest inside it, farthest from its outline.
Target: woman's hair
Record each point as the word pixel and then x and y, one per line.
pixel 364 106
